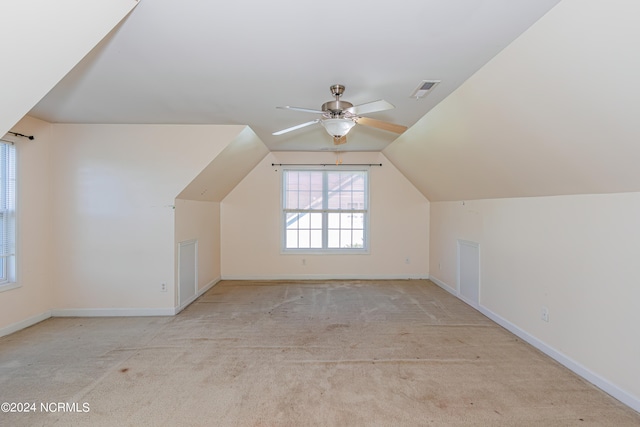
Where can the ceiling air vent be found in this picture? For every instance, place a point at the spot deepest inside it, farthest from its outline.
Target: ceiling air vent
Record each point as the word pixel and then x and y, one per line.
pixel 424 88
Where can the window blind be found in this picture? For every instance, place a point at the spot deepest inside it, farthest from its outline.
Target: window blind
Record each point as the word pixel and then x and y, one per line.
pixel 7 207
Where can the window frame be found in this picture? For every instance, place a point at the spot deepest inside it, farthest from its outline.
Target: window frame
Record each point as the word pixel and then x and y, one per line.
pixel 326 250
pixel 8 215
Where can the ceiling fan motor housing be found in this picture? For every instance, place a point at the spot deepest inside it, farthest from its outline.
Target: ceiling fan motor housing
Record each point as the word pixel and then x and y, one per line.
pixel 336 108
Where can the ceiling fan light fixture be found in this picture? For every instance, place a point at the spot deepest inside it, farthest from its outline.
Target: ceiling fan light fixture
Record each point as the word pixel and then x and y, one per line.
pixel 338 127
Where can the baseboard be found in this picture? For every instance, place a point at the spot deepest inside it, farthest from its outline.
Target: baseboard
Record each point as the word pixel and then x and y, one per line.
pixel 200 292
pixel 595 379
pixel 443 285
pixel 112 312
pixel 328 277
pixel 15 327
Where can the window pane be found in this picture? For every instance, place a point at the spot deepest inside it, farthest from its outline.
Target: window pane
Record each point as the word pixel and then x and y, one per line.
pixel 345 238
pixel 358 200
pixel 316 220
pixel 358 239
pixel 291 200
pixel 358 221
pixel 303 221
pixel 304 198
pixel 292 239
pixel 316 239
pixel 333 220
pixel 292 221
pixel 316 200
pixel 333 201
pixel 333 239
pixel 345 220
pixel 304 239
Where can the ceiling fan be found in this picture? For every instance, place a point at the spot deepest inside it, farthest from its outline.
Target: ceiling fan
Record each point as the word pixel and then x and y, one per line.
pixel 338 117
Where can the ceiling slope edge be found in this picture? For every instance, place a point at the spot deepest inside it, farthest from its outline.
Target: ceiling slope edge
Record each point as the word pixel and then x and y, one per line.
pixel 227 169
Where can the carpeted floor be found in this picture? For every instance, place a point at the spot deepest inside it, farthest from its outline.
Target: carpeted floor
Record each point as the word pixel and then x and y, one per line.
pixel 334 353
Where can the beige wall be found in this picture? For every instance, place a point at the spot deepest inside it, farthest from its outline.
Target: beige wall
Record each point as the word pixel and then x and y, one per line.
pixel 32 299
pixel 575 255
pixel 197 220
pixel 399 227
pixel 113 212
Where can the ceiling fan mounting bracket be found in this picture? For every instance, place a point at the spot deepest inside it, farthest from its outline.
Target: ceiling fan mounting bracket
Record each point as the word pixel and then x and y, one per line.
pixel 337 90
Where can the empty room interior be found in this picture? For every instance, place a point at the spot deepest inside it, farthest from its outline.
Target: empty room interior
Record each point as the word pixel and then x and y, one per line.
pixel 272 213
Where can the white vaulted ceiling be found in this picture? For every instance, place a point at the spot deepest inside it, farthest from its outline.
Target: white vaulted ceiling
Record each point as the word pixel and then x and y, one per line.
pixel 537 97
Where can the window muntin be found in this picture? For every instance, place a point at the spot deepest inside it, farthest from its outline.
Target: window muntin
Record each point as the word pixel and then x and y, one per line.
pixel 325 210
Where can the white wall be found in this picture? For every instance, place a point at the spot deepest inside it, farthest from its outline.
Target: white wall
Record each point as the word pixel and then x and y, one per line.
pixel 575 255
pixel 41 44
pixel 399 226
pixel 197 220
pixel 30 301
pixel 113 210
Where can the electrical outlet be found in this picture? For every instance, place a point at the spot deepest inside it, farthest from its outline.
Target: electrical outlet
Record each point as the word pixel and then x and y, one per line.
pixel 407 260
pixel 163 287
pixel 544 314
pixel 304 261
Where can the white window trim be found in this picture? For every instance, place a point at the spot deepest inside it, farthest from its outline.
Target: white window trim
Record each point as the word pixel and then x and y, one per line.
pixel 11 262
pixel 321 251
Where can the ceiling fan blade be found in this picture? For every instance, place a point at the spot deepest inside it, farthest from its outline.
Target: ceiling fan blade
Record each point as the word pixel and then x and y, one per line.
pixel 370 107
pixel 280 132
pixel 391 127
pixel 304 110
pixel 339 140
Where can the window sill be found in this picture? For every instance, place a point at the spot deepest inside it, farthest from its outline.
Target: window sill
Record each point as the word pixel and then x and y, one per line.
pixel 324 252
pixel 9 286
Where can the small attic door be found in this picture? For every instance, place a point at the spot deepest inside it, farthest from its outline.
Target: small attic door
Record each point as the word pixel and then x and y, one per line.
pixel 469 272
pixel 187 271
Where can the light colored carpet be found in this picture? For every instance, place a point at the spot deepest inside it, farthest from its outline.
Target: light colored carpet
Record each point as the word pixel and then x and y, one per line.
pixel 334 353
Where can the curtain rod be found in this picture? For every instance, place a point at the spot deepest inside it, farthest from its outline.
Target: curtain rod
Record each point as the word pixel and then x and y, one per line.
pixel 326 164
pixel 31 137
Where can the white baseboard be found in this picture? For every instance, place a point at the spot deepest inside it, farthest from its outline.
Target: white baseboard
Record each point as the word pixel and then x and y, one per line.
pixel 327 277
pixel 200 292
pixel 595 379
pixel 112 312
pixel 443 285
pixel 15 327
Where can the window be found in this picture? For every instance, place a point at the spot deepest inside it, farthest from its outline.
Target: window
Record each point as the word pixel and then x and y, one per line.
pixel 7 212
pixel 325 210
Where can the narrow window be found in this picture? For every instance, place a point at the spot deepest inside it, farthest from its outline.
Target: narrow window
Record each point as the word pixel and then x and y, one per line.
pixel 7 212
pixel 325 210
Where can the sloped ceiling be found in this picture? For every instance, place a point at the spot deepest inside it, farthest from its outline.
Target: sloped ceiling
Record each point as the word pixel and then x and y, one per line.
pixel 227 169
pixel 40 44
pixel 234 62
pixel 554 113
